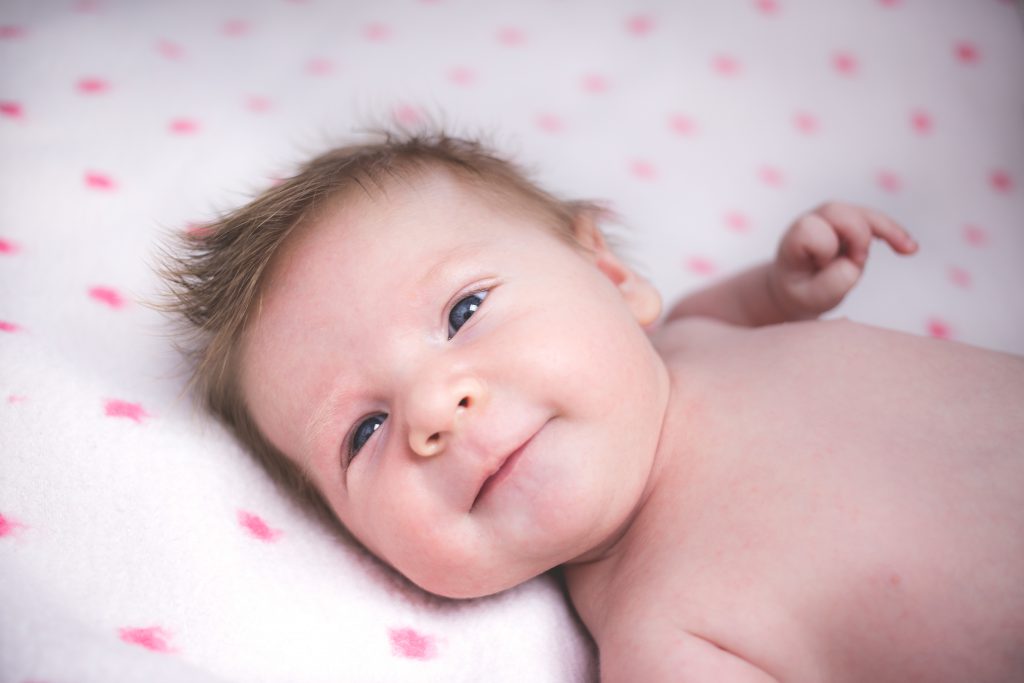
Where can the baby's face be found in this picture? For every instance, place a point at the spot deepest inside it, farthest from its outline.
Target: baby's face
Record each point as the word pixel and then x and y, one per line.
pixel 409 347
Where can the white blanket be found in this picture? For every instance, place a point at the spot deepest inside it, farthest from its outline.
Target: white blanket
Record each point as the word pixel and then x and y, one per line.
pixel 138 542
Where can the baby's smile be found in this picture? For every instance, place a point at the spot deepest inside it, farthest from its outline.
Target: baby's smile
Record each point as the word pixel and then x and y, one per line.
pixel 504 469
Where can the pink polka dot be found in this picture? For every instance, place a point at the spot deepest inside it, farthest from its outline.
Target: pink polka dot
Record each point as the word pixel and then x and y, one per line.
pixel 644 170
pixel 118 408
pixel 700 265
pixel 889 181
pixel 737 221
pixel 959 276
pixel 975 235
pixel 640 24
pixel 6 326
pixel 890 3
pixel 235 27
pixel 771 176
pixel 966 53
pixel 99 181
pixel 406 642
pixel 170 50
pixel 1001 181
pixel 319 66
pixel 11 109
pixel 767 7
pixel 726 65
pixel 9 526
pixel 805 122
pixel 151 637
pixel 93 86
pixel 8 247
pixel 938 328
pixel 595 83
pixel 408 115
pixel 511 36
pixel 197 229
pixel 550 123
pixel 9 32
pixel 845 63
pixel 462 75
pixel 255 525
pixel 87 6
pixel 681 124
pixel 107 295
pixel 183 126
pixel 15 398
pixel 257 103
pixel 377 32
pixel 921 121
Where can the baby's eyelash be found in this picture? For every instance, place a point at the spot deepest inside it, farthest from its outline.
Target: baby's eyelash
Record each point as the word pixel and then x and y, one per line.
pixel 361 433
pixel 459 314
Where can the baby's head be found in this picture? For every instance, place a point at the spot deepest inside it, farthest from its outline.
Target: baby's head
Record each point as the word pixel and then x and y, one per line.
pixel 402 320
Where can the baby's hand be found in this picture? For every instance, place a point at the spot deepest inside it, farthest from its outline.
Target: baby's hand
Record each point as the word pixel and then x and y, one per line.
pixel 823 253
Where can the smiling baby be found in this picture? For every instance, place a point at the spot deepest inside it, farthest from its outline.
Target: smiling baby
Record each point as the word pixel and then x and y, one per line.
pixel 453 363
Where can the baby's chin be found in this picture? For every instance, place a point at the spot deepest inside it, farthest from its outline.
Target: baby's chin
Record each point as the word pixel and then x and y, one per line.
pixel 461 586
pixel 466 588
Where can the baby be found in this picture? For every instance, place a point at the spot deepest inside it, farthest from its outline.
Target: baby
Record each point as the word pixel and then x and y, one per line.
pixel 456 365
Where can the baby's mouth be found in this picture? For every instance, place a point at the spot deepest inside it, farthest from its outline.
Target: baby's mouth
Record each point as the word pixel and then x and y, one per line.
pixel 503 471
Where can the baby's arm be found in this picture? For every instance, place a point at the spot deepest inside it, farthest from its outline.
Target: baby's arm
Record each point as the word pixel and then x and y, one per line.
pixel 819 260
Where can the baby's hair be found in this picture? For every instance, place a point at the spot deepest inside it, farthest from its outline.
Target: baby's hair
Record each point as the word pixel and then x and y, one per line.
pixel 214 273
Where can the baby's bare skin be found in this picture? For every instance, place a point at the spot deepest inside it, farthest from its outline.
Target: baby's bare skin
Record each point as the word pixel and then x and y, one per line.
pixel 478 402
pixel 831 502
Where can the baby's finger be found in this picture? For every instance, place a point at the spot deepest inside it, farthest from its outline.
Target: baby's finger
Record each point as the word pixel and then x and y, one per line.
pixel 810 244
pixel 853 228
pixel 892 232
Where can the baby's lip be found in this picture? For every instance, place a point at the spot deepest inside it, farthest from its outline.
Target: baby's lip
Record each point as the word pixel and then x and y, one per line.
pixel 502 469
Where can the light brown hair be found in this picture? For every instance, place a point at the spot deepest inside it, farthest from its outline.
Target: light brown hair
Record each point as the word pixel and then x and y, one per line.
pixel 214 274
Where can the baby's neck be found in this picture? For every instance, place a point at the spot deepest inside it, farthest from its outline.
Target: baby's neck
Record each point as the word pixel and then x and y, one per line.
pixel 595 578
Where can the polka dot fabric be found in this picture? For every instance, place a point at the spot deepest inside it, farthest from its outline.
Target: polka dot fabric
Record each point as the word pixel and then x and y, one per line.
pixel 138 542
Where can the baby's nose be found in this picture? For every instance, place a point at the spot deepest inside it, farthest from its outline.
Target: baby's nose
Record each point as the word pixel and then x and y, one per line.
pixel 435 415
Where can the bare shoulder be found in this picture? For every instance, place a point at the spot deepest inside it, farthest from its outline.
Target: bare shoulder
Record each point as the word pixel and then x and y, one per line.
pixel 684 334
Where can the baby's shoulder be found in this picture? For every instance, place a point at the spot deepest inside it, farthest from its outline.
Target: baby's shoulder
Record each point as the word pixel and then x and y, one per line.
pixel 690 332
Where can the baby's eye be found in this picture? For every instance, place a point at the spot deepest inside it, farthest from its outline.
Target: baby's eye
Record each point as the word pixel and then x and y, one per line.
pixel 363 431
pixel 463 310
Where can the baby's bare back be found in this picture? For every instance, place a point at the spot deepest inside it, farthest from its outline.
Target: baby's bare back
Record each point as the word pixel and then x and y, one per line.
pixel 837 503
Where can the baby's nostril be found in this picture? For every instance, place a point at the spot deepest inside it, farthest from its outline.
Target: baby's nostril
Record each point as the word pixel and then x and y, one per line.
pixel 433 438
pixel 464 403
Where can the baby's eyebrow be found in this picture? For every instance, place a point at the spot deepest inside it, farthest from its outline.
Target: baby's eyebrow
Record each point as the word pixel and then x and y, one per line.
pixel 322 418
pixel 459 253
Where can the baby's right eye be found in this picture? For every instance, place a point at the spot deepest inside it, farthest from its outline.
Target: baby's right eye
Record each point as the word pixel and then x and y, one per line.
pixel 362 433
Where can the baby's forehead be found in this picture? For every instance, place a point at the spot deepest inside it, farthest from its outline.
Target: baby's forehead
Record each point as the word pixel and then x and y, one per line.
pixel 375 221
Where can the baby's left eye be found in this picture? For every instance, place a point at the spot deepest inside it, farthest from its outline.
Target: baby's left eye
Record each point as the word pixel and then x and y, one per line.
pixel 463 310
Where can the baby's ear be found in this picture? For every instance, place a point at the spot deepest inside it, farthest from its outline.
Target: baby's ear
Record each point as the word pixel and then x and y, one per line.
pixel 640 295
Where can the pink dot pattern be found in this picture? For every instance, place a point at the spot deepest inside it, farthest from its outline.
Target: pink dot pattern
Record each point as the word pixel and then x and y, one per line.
pixel 408 643
pixel 8 526
pixel 118 408
pixel 256 527
pixel 153 638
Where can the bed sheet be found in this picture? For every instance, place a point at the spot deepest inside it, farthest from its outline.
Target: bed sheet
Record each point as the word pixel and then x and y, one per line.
pixel 139 543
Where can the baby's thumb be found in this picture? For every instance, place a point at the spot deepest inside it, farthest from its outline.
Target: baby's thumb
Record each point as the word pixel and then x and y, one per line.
pixel 837 279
